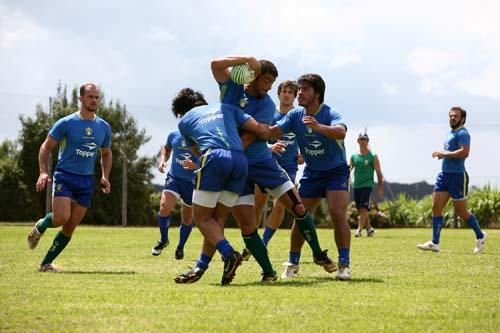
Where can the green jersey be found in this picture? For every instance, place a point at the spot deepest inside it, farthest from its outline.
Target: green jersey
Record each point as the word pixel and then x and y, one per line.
pixel 363 169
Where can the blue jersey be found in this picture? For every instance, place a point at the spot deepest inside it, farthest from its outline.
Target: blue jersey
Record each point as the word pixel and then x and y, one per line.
pixel 319 152
pixel 79 140
pixel 213 126
pixel 287 159
pixel 454 140
pixel 262 109
pixel 180 152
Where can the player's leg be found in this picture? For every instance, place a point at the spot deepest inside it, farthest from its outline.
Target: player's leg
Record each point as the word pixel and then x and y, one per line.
pixel 274 221
pixel 167 203
pixel 184 230
pixel 260 204
pixel 439 201
pixel 337 206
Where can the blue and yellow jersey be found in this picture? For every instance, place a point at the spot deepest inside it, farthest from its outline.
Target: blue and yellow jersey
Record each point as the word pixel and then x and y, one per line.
pixel 287 159
pixel 454 140
pixel 180 152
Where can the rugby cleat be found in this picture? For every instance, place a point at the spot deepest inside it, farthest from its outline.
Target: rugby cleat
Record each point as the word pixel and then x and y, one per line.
pixel 266 278
pixel 429 246
pixel 357 233
pixel 480 244
pixel 245 254
pixel 370 233
pixel 190 276
pixel 344 273
pixel 324 261
pixel 47 268
pixel 34 237
pixel 156 251
pixel 230 266
pixel 291 270
pixel 179 254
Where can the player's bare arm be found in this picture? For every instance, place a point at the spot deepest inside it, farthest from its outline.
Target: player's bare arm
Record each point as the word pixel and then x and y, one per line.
pixel 333 132
pixel 380 177
pixel 463 152
pixel 43 156
pixel 106 162
pixel 220 66
pixel 164 157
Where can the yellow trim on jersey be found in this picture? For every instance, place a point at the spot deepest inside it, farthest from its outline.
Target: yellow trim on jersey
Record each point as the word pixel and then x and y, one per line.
pixel 198 174
pixel 465 185
pixel 62 145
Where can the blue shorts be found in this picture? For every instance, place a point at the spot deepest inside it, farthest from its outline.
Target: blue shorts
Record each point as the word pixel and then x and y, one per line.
pixel 221 170
pixel 183 188
pixel 291 172
pixel 362 197
pixel 79 188
pixel 315 183
pixel 457 184
pixel 266 174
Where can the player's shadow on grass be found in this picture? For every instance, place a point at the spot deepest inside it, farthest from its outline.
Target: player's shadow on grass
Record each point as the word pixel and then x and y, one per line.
pixel 99 272
pixel 305 282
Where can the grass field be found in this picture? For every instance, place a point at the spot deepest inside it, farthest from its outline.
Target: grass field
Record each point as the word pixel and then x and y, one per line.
pixel 110 282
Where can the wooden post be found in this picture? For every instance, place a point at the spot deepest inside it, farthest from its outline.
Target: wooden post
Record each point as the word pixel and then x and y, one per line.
pixel 48 188
pixel 124 189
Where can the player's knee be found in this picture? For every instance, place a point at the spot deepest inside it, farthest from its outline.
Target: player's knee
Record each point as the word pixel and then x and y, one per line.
pixel 59 219
pixel 299 210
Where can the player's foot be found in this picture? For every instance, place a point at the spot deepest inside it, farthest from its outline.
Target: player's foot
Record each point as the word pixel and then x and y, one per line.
pixel 291 270
pixel 190 276
pixel 344 273
pixel 156 251
pixel 47 268
pixel 34 237
pixel 357 233
pixel 266 278
pixel 370 233
pixel 480 244
pixel 324 261
pixel 245 254
pixel 230 266
pixel 429 246
pixel 179 254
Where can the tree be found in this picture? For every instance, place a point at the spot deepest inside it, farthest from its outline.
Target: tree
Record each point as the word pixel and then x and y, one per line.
pixel 127 138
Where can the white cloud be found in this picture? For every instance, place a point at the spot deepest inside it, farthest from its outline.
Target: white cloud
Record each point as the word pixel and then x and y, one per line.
pixel 390 88
pixel 426 61
pixel 18 29
pixel 344 59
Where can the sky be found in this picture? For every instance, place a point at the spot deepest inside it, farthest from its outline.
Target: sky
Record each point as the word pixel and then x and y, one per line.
pixel 394 67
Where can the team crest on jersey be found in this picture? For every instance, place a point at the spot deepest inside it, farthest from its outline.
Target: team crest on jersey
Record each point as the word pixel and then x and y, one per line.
pixel 58 187
pixel 366 162
pixel 88 130
pixel 243 102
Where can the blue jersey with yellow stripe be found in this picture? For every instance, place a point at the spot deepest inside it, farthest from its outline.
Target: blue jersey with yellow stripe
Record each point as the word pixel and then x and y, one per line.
pixel 79 141
pixel 180 152
pixel 454 141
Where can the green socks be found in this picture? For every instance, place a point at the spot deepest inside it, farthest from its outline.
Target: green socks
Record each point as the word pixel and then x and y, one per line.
pixel 259 251
pixel 308 231
pixel 44 223
pixel 60 242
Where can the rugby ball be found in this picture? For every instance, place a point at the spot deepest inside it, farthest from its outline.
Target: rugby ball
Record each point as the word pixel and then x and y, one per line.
pixel 242 74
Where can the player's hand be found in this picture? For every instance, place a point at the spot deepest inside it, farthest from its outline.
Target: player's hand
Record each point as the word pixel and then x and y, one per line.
pixel 162 166
pixel 189 164
pixel 438 154
pixel 380 191
pixel 300 159
pixel 106 186
pixel 255 66
pixel 311 122
pixel 42 181
pixel 278 148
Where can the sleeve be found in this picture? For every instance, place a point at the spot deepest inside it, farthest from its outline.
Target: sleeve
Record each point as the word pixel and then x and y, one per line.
pixel 107 136
pixel 336 118
pixel 463 138
pixel 58 131
pixel 170 138
pixel 286 123
pixel 184 134
pixel 239 116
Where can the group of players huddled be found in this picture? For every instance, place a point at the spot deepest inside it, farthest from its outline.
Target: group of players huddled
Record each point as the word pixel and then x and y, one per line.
pixel 227 157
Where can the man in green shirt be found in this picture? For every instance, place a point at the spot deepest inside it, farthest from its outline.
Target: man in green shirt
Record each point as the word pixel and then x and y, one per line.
pixel 364 163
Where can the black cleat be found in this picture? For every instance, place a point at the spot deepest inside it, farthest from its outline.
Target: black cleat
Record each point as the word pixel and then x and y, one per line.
pixel 156 251
pixel 179 254
pixel 324 261
pixel 190 276
pixel 246 254
pixel 230 266
pixel 267 278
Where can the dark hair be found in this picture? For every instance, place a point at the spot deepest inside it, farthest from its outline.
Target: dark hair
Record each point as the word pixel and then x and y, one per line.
pixel 290 84
pixel 463 113
pixel 185 100
pixel 267 67
pixel 316 82
pixel 83 88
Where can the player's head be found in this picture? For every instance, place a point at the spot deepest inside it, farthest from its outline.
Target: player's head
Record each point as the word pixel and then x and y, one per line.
pixel 264 82
pixel 311 87
pixel 363 140
pixel 457 117
pixel 185 100
pixel 287 91
pixel 89 97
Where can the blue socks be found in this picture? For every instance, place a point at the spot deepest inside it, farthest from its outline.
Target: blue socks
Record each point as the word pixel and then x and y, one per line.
pixel 344 256
pixel 294 258
pixel 268 234
pixel 204 261
pixel 224 248
pixel 164 223
pixel 472 221
pixel 437 224
pixel 184 232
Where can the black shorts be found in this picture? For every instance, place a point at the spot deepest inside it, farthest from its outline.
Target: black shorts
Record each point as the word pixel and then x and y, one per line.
pixel 362 197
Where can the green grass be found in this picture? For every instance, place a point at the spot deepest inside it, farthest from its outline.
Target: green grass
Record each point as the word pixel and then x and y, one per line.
pixel 110 282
